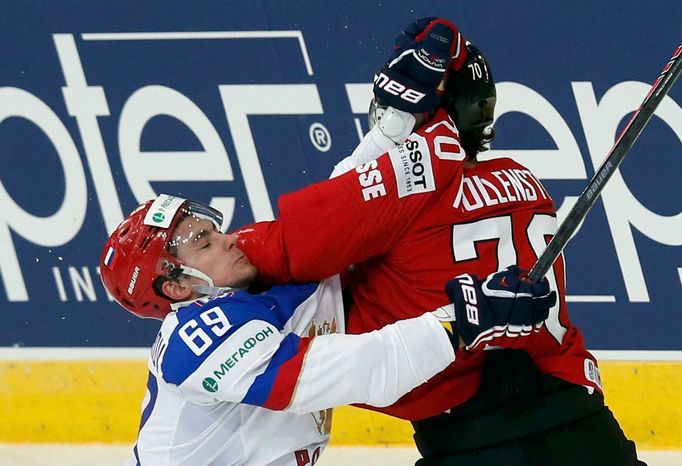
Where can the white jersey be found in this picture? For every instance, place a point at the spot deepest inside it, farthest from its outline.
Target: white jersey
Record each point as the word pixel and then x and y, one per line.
pixel 244 379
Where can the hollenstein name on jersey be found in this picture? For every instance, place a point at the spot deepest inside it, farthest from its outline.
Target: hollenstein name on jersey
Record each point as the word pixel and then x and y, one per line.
pixel 505 186
pixel 210 384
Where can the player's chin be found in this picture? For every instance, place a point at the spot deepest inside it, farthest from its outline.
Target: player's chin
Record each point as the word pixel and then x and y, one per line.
pixel 243 274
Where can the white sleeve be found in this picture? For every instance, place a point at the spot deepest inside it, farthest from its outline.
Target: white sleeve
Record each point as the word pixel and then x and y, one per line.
pixel 375 368
pixel 372 146
pixel 259 366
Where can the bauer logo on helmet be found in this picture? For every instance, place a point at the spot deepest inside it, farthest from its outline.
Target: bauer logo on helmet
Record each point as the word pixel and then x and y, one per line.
pixel 133 280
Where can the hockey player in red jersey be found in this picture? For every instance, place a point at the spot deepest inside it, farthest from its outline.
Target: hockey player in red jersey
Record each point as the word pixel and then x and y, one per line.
pixel 428 210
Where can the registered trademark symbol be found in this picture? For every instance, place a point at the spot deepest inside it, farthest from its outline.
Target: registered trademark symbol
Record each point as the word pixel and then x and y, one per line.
pixel 320 137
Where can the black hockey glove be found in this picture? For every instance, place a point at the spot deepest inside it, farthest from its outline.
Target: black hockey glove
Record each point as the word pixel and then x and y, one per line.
pixel 502 310
pixel 410 79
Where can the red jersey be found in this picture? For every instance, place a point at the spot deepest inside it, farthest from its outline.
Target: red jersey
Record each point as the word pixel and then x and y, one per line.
pixel 410 221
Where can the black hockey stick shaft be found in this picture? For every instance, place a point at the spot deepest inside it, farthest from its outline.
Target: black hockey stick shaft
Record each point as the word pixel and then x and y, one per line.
pixel 615 156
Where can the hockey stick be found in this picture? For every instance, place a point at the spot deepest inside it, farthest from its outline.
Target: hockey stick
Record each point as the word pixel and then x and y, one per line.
pixel 615 156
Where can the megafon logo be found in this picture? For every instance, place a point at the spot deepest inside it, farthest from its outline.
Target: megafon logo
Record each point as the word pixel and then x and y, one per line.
pixel 210 385
pixel 158 217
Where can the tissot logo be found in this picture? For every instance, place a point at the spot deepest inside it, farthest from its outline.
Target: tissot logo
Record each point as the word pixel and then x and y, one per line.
pixel 412 167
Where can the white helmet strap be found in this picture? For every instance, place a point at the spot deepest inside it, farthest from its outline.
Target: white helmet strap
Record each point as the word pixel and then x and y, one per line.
pixel 196 273
pixel 205 290
pixel 211 290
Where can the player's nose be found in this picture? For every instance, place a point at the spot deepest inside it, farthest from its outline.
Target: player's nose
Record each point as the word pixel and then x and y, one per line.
pixel 230 241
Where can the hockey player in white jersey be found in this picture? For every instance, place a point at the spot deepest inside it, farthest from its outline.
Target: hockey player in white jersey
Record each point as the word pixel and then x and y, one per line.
pixel 243 378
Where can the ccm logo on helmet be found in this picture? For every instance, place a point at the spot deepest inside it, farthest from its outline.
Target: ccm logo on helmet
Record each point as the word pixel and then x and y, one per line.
pixel 133 280
pixel 393 87
pixel 469 293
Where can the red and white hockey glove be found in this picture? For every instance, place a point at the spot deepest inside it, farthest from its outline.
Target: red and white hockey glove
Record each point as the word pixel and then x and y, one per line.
pixel 423 52
pixel 500 311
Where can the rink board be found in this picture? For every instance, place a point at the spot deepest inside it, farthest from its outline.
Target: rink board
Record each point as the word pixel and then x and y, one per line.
pixel 99 401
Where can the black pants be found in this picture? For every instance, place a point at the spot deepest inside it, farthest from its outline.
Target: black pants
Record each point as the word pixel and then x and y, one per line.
pixel 521 417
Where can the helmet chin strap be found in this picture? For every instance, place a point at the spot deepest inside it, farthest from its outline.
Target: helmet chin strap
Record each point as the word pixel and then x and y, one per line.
pixel 196 273
pixel 205 290
pixel 211 290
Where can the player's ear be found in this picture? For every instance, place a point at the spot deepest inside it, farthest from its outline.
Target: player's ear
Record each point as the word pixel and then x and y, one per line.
pixel 177 290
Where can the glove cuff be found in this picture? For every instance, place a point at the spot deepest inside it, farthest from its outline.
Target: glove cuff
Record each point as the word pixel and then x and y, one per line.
pixel 398 91
pixel 458 50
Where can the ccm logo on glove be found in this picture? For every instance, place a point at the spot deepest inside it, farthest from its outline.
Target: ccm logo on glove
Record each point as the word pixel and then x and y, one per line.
pixel 393 87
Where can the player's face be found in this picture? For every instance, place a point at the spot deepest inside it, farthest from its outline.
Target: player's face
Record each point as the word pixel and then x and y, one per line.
pixel 206 249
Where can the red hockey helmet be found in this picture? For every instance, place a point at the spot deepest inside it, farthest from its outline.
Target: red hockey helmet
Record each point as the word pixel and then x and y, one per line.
pixel 137 255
